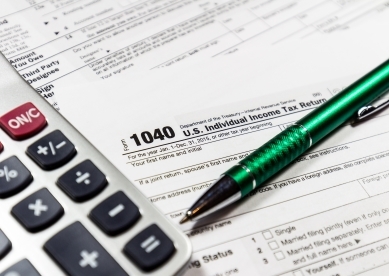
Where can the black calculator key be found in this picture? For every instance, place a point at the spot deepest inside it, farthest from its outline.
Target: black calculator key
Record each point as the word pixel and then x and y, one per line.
pixel 5 245
pixel 38 211
pixel 22 268
pixel 150 248
pixel 82 182
pixel 14 177
pixel 52 151
pixel 116 214
pixel 79 253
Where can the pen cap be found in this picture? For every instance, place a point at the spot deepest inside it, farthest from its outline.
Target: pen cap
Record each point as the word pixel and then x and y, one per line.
pixel 344 105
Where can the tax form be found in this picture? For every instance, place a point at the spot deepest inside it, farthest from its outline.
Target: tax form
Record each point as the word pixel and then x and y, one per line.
pixel 326 214
pixel 56 43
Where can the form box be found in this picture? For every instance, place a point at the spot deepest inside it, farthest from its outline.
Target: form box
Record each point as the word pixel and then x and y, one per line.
pixel 318 13
pixel 289 11
pixel 249 30
pixel 376 184
pixel 236 20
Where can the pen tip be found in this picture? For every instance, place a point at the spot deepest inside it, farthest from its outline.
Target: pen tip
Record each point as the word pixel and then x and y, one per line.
pixel 184 219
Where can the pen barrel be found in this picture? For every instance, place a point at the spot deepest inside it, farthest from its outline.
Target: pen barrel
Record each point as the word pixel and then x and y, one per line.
pixel 270 158
pixel 346 104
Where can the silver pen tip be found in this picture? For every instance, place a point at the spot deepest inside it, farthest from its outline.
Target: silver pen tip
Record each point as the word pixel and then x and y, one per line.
pixel 186 218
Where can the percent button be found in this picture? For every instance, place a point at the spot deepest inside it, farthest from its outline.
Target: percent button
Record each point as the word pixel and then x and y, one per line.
pixel 14 177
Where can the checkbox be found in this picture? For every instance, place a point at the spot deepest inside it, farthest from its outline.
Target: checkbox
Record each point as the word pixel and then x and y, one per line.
pixel 267 235
pixel 279 255
pixel 273 245
pixel 298 273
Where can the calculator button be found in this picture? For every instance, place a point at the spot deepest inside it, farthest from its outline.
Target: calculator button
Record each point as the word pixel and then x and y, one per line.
pixel 23 122
pixel 82 182
pixel 150 248
pixel 52 151
pixel 14 177
pixel 22 268
pixel 116 214
pixel 79 253
pixel 5 245
pixel 38 211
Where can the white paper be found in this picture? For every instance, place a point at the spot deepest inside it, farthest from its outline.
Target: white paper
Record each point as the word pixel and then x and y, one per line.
pixel 326 214
pixel 54 44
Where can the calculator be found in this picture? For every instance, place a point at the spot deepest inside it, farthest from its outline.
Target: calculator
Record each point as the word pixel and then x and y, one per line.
pixel 64 208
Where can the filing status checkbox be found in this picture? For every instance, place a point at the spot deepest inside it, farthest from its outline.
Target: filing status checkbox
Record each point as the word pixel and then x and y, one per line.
pixel 279 255
pixel 298 273
pixel 267 235
pixel 273 245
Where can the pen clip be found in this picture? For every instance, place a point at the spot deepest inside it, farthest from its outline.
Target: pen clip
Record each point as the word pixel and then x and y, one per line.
pixel 367 111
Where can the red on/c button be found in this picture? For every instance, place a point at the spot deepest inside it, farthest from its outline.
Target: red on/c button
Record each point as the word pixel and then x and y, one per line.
pixel 23 122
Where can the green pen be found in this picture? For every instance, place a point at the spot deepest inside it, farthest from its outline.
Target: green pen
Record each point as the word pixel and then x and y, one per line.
pixel 260 165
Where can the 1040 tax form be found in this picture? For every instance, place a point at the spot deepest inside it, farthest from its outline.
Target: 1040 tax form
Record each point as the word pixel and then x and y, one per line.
pixel 326 214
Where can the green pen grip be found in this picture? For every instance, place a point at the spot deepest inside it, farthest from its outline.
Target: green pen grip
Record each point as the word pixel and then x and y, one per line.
pixel 270 158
